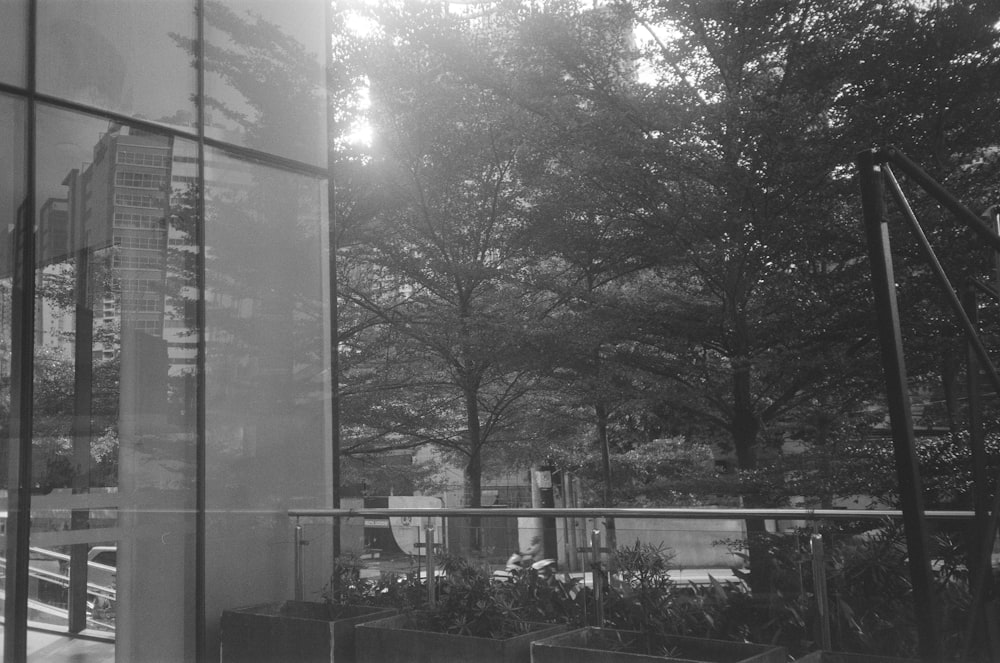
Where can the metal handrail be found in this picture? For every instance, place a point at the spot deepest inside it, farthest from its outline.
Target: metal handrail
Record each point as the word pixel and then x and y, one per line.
pixel 811 515
pixel 800 514
pixel 685 512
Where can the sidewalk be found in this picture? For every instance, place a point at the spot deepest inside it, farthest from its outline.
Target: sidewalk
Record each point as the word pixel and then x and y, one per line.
pixel 44 646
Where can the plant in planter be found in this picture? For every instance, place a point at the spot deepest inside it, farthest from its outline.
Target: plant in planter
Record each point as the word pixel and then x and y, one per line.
pixel 474 619
pixel 300 631
pixel 649 618
pixel 598 645
pixel 315 631
pixel 347 587
pixel 840 657
pixel 409 638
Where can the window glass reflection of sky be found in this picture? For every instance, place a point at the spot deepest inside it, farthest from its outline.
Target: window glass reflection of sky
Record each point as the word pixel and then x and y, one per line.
pixel 13 29
pixel 124 57
pixel 274 103
pixel 64 141
pixel 12 180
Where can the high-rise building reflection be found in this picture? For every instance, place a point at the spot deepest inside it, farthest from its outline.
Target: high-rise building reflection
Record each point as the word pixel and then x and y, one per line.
pixel 119 209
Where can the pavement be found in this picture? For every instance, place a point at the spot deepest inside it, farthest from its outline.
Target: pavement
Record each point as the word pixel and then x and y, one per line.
pixel 46 646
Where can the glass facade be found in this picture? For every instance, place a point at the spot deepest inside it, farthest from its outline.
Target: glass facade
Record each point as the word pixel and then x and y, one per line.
pixel 165 330
pixel 268 103
pixel 131 58
pixel 267 344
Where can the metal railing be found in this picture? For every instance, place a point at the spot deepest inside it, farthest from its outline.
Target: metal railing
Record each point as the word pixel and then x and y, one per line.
pixel 59 581
pixel 683 512
pixel 811 518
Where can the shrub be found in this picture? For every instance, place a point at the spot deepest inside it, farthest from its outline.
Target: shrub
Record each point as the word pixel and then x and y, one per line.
pixel 868 585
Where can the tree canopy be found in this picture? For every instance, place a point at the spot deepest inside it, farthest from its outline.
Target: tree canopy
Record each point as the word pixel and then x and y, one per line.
pixel 579 229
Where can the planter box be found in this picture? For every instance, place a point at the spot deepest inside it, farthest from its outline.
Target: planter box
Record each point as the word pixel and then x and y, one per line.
pixel 841 657
pixel 395 640
pixel 293 631
pixel 599 645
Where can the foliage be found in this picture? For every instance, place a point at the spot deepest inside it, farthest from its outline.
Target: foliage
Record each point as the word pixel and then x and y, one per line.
pixel 870 597
pixel 867 576
pixel 945 467
pixel 673 241
pixel 664 472
pixel 53 461
pixel 439 258
pixel 347 586
pixel 643 567
pixel 643 599
pixel 469 601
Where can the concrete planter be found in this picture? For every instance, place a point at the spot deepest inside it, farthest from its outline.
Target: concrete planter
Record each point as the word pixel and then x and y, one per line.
pixel 299 631
pixel 841 657
pixel 396 640
pixel 599 645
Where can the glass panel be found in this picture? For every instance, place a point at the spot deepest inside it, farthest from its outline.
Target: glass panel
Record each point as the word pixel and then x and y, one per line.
pixel 13 41
pixel 264 80
pixel 132 58
pixel 12 196
pixel 267 402
pixel 115 384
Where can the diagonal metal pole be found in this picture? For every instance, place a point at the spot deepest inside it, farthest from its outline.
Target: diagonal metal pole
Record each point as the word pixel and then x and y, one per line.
pixel 971 334
pixel 982 568
pixel 948 201
pixel 907 469
pixel 980 496
pixel 987 290
pixel 982 584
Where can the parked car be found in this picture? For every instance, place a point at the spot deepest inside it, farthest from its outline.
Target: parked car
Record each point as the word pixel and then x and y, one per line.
pixel 102 566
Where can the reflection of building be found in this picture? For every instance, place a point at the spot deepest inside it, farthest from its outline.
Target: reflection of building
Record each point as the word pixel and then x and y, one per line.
pixel 118 209
pixel 53 322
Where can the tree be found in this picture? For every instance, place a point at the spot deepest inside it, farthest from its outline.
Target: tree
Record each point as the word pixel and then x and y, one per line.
pixel 735 170
pixel 695 252
pixel 446 246
pixel 924 84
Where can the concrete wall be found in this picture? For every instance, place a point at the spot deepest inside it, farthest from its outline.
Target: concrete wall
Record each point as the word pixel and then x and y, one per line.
pixel 695 542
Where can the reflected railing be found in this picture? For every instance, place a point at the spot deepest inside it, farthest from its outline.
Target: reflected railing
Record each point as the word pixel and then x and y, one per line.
pixel 59 599
pixel 813 555
pixel 49 591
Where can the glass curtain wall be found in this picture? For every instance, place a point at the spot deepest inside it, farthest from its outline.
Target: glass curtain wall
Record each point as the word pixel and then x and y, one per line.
pixel 165 330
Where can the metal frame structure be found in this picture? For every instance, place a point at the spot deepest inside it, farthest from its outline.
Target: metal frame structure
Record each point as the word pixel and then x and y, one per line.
pixel 876 177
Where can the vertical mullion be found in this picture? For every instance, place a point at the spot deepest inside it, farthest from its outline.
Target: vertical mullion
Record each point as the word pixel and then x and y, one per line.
pixel 22 381
pixel 201 645
pixel 331 128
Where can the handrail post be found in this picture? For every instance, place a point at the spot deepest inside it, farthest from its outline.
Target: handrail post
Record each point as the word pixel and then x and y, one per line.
pixel 595 542
pixel 298 559
pixel 431 580
pixel 820 589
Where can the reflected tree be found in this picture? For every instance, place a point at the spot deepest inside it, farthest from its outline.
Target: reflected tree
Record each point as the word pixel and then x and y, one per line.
pixel 264 253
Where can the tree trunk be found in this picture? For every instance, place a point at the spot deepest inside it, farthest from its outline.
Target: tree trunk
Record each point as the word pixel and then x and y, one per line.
pixel 745 430
pixel 602 440
pixel 474 468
